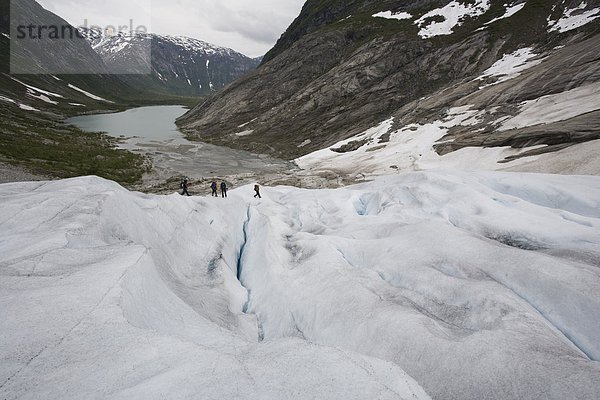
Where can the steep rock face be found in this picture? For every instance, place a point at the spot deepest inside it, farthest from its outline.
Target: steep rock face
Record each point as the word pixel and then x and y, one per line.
pixel 180 65
pixel 340 70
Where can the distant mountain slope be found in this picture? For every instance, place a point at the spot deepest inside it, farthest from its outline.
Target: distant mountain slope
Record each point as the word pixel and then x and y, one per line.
pixel 47 90
pixel 45 54
pixel 179 65
pixel 344 67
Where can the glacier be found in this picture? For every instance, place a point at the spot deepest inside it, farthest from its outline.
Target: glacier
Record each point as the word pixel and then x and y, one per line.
pixel 430 284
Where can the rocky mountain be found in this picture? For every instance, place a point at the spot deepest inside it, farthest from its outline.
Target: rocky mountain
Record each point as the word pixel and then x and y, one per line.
pixel 36 51
pixel 85 68
pixel 525 71
pixel 179 65
pixel 46 88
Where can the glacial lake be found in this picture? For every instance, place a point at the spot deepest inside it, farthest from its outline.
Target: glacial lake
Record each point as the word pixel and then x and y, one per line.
pixel 151 123
pixel 152 131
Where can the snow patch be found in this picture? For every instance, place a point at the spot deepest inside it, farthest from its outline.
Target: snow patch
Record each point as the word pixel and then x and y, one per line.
pixel 573 19
pixel 119 45
pixel 511 65
pixel 247 123
pixel 305 143
pixel 510 11
pixel 452 14
pixel 47 93
pixel 245 133
pixel 27 108
pixel 42 97
pixel 88 94
pixel 20 105
pixel 390 15
pixel 7 100
pixel 556 107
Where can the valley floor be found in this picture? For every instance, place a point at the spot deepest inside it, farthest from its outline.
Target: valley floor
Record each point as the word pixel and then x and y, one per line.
pixel 436 284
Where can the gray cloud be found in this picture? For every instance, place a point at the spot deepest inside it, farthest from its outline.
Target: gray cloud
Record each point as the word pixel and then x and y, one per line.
pixel 251 27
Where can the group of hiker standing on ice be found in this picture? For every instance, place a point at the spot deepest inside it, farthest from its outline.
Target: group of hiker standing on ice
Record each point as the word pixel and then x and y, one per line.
pixel 215 187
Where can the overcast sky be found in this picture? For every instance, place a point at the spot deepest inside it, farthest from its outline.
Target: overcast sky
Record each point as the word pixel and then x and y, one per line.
pixel 248 26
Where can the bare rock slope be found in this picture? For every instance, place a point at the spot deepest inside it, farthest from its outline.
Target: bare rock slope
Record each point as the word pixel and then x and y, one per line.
pixel 344 67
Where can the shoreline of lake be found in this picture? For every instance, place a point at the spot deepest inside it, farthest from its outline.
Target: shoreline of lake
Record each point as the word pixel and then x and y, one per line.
pixel 151 131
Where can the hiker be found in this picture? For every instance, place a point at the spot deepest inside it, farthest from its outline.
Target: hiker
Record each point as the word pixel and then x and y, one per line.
pixel 257 190
pixel 213 186
pixel 223 189
pixel 184 187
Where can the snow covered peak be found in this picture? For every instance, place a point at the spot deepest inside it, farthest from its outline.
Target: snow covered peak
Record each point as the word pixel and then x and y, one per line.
pixel 114 43
pixel 93 35
pixel 195 45
pixel 178 64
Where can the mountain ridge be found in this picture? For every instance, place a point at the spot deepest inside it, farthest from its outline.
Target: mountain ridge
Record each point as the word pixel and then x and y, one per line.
pixel 353 71
pixel 179 64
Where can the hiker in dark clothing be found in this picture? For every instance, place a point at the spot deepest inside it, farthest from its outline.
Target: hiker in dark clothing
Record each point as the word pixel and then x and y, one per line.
pixel 213 186
pixel 257 190
pixel 223 189
pixel 184 187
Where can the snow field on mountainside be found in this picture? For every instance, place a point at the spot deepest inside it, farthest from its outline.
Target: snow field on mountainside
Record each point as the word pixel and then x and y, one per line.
pixel 38 90
pixel 511 65
pixel 556 107
pixel 20 105
pixel 451 15
pixel 88 94
pixel 574 18
pixel 47 96
pixel 510 11
pixel 41 97
pixel 382 151
pixel 391 15
pixel 410 148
